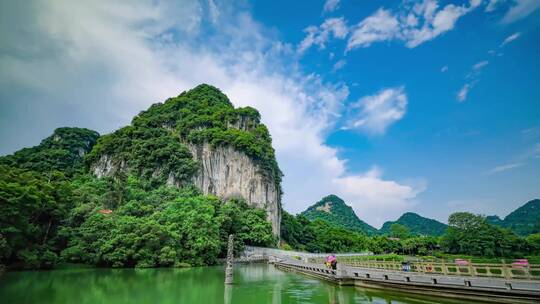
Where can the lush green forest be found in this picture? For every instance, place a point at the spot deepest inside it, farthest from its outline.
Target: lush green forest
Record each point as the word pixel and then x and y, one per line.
pixel 53 210
pixel 331 226
pixel 467 234
pixel 417 225
pixel 63 151
pixel 524 220
pixel 333 209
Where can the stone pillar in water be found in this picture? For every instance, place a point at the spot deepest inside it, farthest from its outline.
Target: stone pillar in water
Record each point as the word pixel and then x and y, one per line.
pixel 229 267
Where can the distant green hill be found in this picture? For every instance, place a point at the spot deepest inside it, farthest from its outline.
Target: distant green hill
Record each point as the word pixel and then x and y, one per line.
pixel 523 221
pixel 63 151
pixel 334 210
pixel 494 220
pixel 417 225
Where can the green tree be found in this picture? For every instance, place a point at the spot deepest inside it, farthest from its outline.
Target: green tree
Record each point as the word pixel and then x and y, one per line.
pixel 399 231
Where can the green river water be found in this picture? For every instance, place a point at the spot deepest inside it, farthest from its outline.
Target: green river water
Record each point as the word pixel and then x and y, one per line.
pixel 256 283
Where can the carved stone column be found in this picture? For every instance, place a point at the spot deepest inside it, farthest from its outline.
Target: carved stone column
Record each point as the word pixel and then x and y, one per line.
pixel 229 267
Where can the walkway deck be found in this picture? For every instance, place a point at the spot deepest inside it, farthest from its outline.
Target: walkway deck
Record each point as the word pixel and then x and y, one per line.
pixel 497 290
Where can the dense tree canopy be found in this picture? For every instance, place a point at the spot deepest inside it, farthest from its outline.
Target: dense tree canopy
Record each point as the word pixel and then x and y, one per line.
pixel 333 209
pixel 417 225
pixel 70 221
pixel 63 151
pixel 523 221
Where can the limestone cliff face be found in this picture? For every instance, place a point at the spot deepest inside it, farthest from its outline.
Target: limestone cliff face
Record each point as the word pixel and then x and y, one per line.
pixel 229 173
pixel 224 172
pixel 107 165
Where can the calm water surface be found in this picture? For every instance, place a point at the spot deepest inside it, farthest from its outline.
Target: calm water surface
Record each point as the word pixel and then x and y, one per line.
pixel 258 283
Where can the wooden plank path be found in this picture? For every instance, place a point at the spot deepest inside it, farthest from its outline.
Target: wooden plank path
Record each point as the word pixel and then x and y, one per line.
pixel 493 289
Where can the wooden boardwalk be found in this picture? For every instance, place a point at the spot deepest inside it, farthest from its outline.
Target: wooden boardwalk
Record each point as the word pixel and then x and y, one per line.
pixel 492 289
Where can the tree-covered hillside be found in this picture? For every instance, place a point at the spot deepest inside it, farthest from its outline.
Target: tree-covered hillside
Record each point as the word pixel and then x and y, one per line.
pixel 53 209
pixel 299 233
pixel 62 151
pixel 524 220
pixel 417 225
pixel 333 210
pixel 153 146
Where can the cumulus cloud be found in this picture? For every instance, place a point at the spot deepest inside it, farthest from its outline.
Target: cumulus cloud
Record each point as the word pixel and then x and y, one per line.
pixel 373 114
pixel 380 26
pixel 319 35
pixel 331 5
pixel 510 38
pixel 520 10
pixel 413 25
pixel 370 194
pixel 97 64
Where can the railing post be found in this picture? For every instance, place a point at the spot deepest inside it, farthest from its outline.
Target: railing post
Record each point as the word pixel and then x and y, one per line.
pixel 507 271
pixel 444 270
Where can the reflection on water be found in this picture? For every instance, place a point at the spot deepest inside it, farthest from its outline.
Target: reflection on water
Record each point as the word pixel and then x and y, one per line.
pixel 252 284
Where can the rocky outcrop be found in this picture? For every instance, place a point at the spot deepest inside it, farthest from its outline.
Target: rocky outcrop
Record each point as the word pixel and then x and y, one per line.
pixel 228 173
pixel 107 166
pixel 224 172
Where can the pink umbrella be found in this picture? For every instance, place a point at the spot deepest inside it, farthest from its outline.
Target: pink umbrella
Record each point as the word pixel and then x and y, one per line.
pixel 330 258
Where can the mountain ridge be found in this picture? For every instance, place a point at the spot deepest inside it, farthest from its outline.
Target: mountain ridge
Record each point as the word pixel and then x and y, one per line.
pixel 334 210
pixel 524 220
pixel 416 224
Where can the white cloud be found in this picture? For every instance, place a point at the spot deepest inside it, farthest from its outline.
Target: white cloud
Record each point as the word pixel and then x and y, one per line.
pixel 214 11
pixel 473 78
pixel 505 167
pixel 373 114
pixel 510 38
pixel 97 64
pixel 480 65
pixel 520 10
pixel 369 194
pixel 463 92
pixel 380 26
pixel 331 5
pixel 340 64
pixel 319 35
pixel 444 69
pixel 436 22
pixel 414 25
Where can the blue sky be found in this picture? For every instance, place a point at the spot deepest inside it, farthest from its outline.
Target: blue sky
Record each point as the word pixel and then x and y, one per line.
pixel 425 106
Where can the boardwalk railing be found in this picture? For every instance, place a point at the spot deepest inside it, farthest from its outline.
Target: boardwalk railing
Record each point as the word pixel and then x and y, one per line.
pixel 508 271
pixel 498 290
